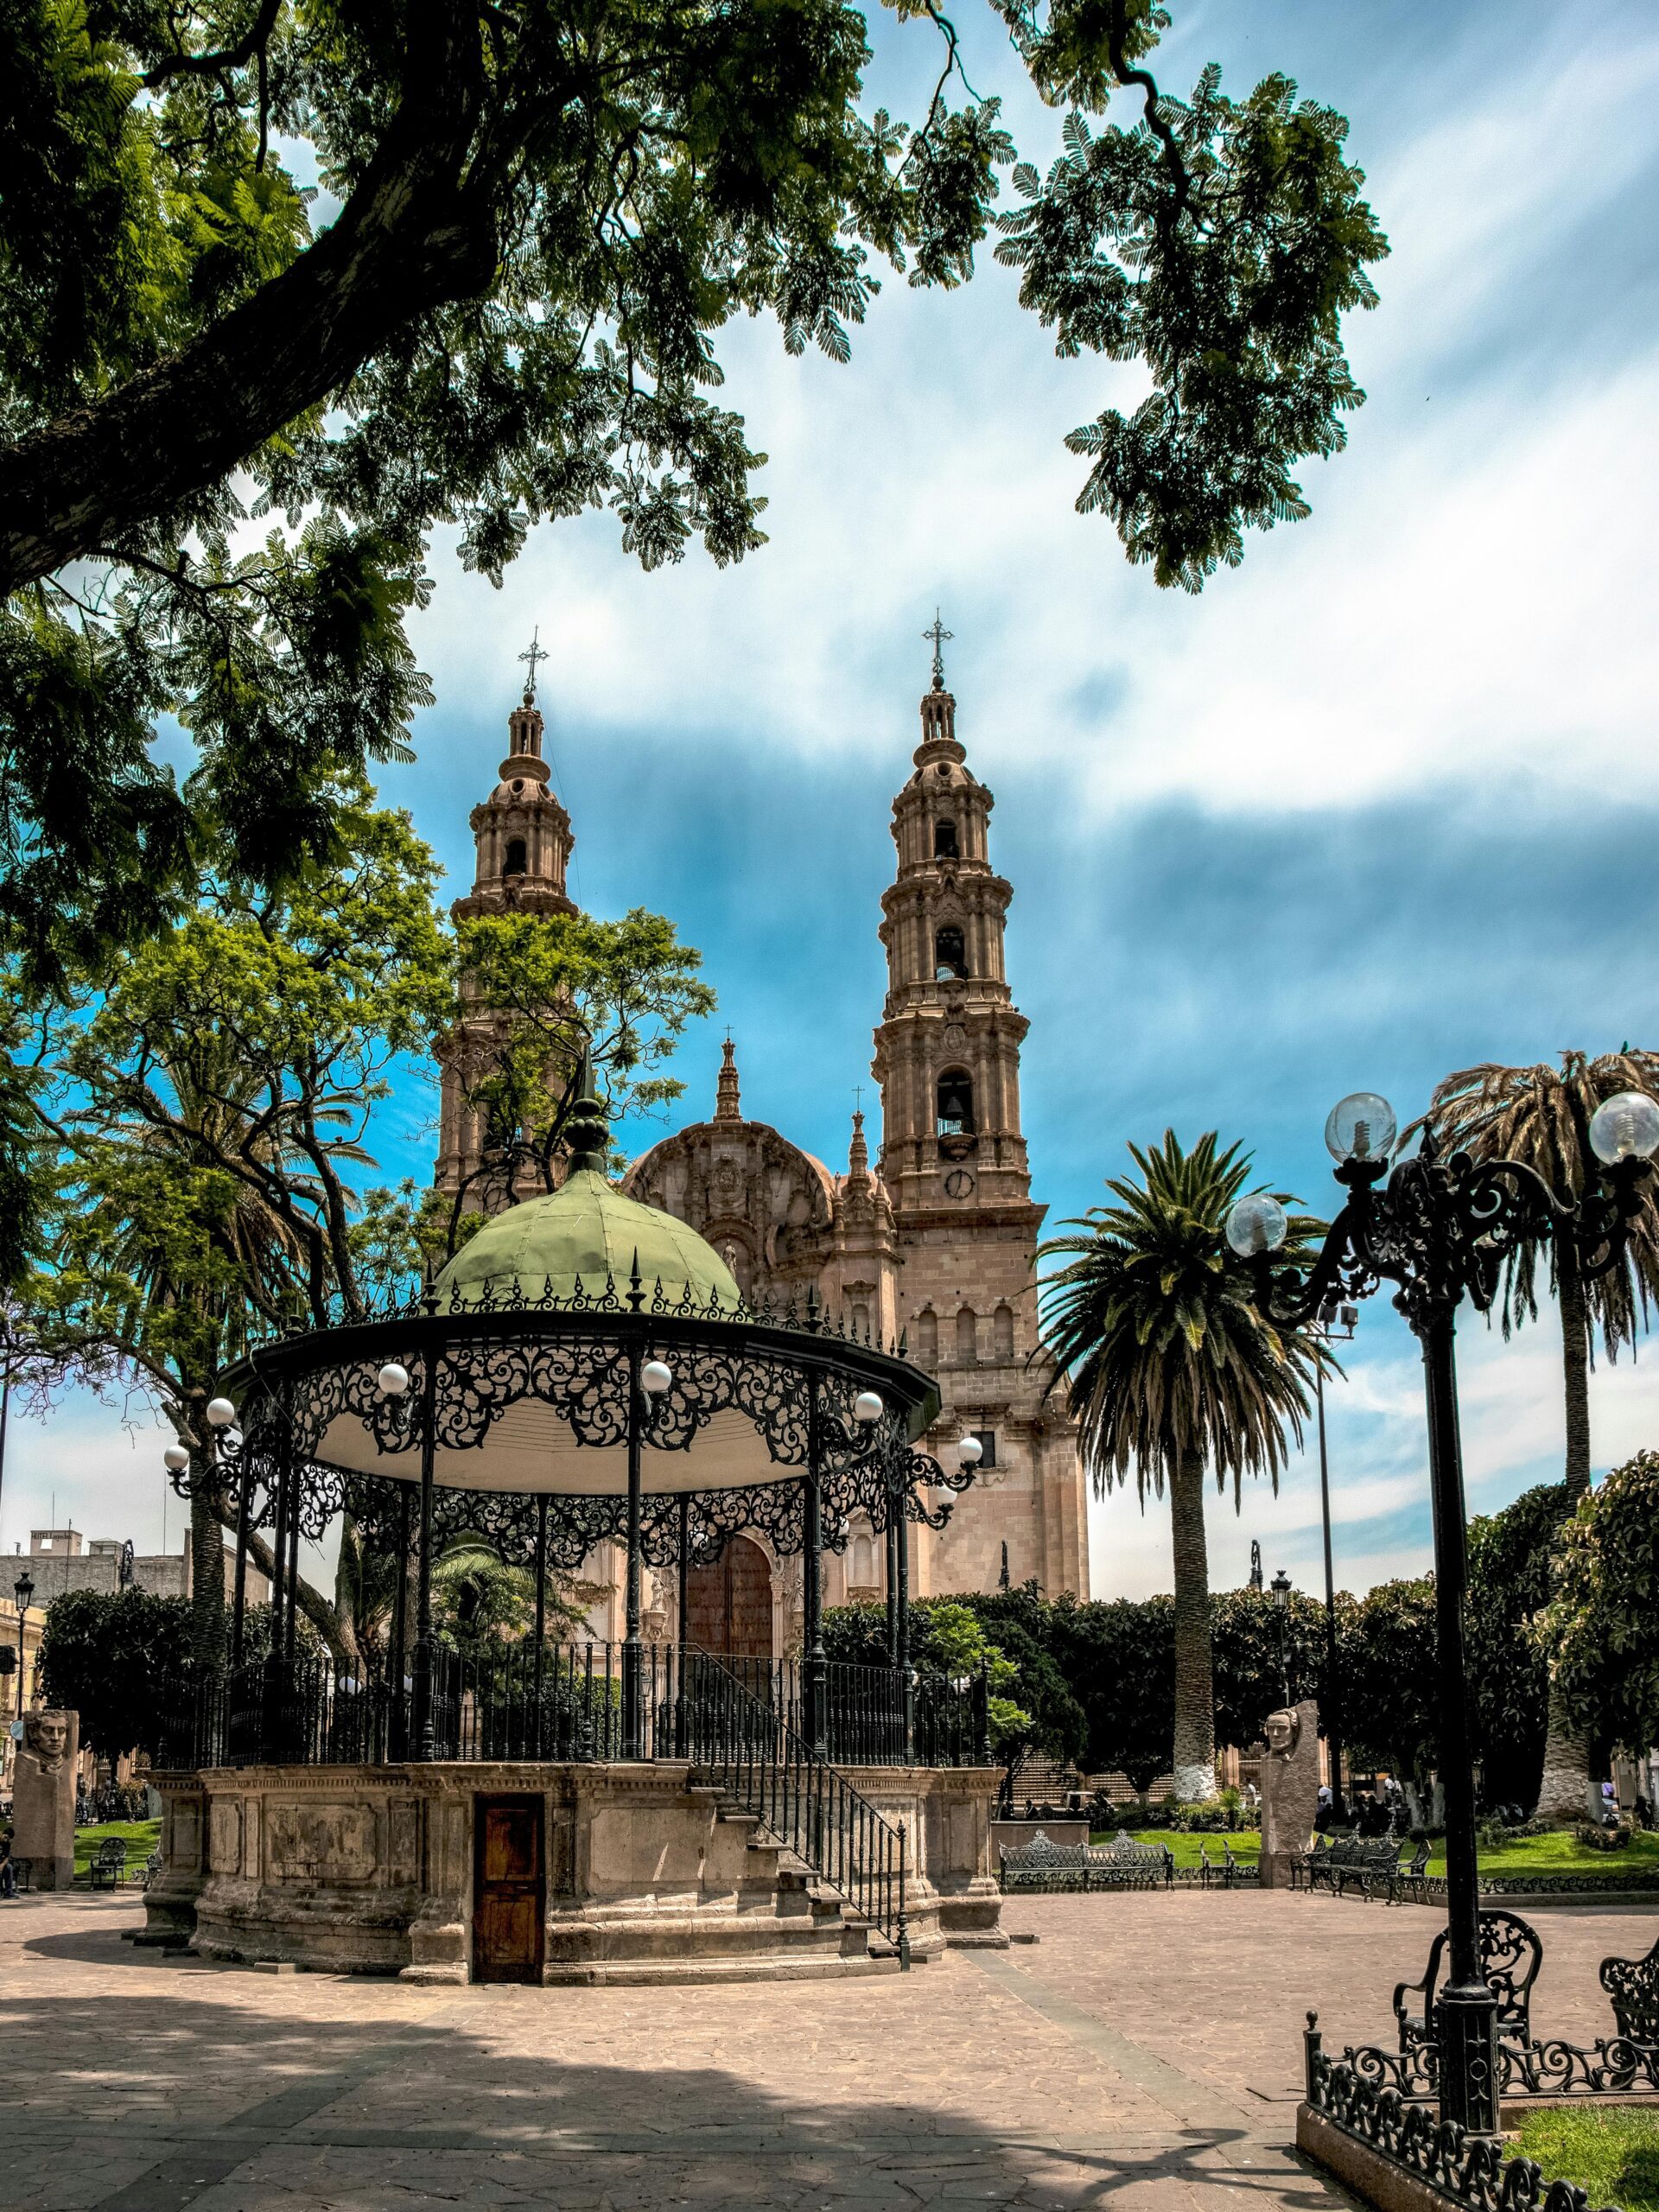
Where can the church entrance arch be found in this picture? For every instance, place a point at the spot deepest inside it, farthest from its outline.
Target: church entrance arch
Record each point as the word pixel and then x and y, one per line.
pixel 729 1602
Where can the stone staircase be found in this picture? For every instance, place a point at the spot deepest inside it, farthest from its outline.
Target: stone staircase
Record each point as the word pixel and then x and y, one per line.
pixel 756 1912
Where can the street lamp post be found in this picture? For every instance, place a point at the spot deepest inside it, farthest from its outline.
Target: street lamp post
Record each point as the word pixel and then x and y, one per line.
pixel 1337 1325
pixel 1279 1586
pixel 1440 1231
pixel 23 1589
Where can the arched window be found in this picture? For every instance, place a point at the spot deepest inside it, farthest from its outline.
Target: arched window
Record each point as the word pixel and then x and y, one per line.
pixel 944 841
pixel 927 1339
pixel 860 1569
pixel 514 864
pixel 956 1104
pixel 967 1336
pixel 861 1319
pixel 949 955
pixel 1002 1334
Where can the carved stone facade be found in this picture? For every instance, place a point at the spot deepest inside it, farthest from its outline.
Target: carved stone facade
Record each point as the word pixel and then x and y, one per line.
pixel 937 1241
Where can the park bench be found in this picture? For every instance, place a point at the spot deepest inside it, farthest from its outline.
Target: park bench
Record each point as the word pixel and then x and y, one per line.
pixel 1230 1870
pixel 1633 1986
pixel 1510 1955
pixel 1370 1862
pixel 1411 1876
pixel 1121 1865
pixel 108 1870
pixel 152 1868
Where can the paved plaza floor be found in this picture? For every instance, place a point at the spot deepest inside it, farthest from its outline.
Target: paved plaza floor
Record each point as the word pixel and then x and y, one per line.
pixel 1144 2054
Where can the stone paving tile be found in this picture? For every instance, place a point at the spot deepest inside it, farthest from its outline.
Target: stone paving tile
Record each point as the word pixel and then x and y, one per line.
pixel 1143 2057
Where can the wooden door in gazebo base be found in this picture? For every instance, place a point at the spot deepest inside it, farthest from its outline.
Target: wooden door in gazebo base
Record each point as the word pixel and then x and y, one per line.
pixel 728 1604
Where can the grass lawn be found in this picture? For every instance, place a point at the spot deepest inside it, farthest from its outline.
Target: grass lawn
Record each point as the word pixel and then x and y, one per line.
pixel 1612 2155
pixel 140 1838
pixel 1246 1844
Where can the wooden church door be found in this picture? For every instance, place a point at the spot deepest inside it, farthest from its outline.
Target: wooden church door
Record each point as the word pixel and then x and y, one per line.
pixel 729 1602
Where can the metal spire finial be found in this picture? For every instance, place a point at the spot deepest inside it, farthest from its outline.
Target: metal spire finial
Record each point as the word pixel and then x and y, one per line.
pixel 538 652
pixel 938 633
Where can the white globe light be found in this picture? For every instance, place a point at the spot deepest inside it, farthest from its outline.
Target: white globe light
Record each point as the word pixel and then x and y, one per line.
pixel 176 1458
pixel 220 1412
pixel 393 1380
pixel 655 1377
pixel 1361 1126
pixel 1256 1223
pixel 868 1407
pixel 1624 1127
pixel 971 1450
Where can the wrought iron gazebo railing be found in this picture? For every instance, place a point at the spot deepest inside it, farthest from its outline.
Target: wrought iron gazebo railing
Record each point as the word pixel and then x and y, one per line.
pixel 569 1705
pixel 742 1745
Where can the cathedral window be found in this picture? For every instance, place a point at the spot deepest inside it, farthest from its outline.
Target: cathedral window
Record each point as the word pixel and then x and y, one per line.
pixel 949 955
pixel 956 1104
pixel 986 1440
pixel 861 1320
pixel 967 1336
pixel 514 863
pixel 944 842
pixel 927 1339
pixel 1002 1334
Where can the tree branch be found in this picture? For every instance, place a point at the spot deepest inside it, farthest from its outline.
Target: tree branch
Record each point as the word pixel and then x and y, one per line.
pixel 410 237
pixel 1117 31
pixel 215 64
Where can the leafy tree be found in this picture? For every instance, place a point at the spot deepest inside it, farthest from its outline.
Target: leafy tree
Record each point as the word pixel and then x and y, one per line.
pixel 1600 1629
pixel 105 1657
pixel 502 308
pixel 1118 1657
pixel 1540 1116
pixel 1245 1639
pixel 540 990
pixel 1391 1686
pixel 1170 1367
pixel 1509 1567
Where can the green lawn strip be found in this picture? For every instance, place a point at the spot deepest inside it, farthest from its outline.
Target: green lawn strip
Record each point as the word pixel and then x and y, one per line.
pixel 1614 2156
pixel 1246 1844
pixel 140 1838
pixel 1560 1851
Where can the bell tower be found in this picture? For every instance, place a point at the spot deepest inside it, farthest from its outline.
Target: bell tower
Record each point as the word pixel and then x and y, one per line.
pixel 523 839
pixel 947 1053
pixel 953 1163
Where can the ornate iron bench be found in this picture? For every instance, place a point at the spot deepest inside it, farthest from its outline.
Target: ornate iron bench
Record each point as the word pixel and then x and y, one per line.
pixel 1633 1986
pixel 108 1870
pixel 1510 1955
pixel 1121 1865
pixel 1411 1876
pixel 1368 1861
pixel 1229 1871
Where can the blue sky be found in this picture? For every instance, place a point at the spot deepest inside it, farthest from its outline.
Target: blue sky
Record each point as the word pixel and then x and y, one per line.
pixel 1381 804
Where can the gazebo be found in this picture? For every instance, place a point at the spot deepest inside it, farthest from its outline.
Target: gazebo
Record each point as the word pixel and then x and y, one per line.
pixel 582 1372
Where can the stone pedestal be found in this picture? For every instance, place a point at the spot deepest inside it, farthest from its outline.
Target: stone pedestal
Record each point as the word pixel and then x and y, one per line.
pixel 1290 1789
pixel 43 1798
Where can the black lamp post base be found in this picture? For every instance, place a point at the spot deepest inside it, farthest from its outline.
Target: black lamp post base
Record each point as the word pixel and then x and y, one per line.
pixel 1467 2023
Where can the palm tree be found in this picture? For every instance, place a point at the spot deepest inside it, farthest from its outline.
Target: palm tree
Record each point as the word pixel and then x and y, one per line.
pixel 1540 1116
pixel 1170 1367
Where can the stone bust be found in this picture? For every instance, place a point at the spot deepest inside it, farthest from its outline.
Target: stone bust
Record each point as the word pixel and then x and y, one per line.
pixel 1284 1732
pixel 46 1735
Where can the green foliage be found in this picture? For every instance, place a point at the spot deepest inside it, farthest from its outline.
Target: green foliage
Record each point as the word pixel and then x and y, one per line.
pixel 1154 1326
pixel 1245 1639
pixel 538 220
pixel 1118 1657
pixel 104 1656
pixel 1510 1555
pixel 1600 1630
pixel 1390 1689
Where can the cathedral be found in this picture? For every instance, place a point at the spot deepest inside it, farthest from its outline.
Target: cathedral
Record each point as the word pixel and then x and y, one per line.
pixel 935 1240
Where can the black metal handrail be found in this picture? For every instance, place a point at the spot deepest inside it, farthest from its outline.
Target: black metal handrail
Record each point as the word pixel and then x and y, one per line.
pixel 743 1745
pixel 508 1703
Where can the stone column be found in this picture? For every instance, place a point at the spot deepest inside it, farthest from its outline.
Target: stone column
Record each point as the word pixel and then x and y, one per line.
pixel 1290 1789
pixel 43 1798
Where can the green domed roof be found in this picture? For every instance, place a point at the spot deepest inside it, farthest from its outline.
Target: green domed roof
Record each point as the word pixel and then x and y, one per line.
pixel 585 1233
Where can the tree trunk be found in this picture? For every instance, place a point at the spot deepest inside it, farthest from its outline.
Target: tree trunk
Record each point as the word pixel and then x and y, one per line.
pixel 1564 1789
pixel 1195 1688
pixel 207 1573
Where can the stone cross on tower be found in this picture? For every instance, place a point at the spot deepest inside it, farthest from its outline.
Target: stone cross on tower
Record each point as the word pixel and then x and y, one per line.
pixel 938 634
pixel 538 652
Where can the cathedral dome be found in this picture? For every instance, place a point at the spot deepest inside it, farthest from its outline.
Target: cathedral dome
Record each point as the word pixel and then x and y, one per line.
pixel 583 1236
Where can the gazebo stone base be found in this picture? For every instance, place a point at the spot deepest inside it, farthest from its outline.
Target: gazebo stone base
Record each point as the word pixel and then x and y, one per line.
pixel 643 1876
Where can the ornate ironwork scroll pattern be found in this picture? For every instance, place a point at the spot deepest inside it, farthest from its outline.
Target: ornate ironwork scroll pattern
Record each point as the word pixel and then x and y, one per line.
pixel 353 1387
pixel 1410 2134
